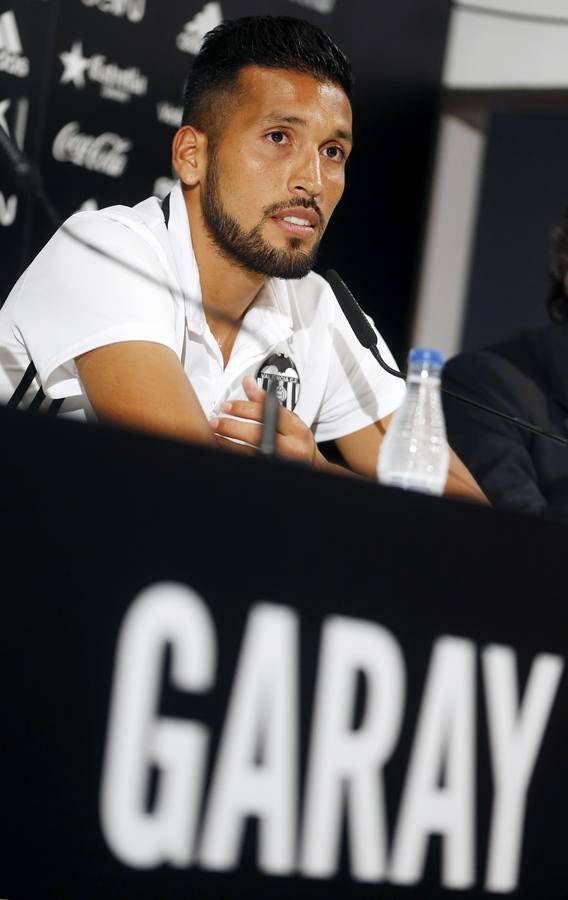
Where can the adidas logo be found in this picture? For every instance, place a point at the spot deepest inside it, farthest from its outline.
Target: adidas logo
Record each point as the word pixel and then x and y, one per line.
pixel 12 59
pixel 191 38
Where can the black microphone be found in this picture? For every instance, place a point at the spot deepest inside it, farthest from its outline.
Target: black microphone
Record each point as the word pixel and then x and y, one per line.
pixel 362 328
pixel 267 444
pixel 367 337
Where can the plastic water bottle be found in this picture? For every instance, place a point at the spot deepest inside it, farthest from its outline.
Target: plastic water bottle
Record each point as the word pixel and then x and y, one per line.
pixel 414 453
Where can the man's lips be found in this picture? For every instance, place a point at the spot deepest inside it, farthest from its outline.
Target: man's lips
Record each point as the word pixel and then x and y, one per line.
pixel 298 221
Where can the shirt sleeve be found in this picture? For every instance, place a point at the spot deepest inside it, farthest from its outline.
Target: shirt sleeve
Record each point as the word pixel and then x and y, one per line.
pixel 73 299
pixel 358 391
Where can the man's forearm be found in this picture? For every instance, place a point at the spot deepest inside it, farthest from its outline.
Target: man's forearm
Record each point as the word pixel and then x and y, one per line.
pixel 323 465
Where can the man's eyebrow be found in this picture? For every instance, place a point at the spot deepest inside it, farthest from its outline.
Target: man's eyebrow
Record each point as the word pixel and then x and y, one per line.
pixel 339 133
pixel 343 135
pixel 280 117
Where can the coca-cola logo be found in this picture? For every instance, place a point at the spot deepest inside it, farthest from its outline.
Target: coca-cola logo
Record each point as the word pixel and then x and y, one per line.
pixel 105 153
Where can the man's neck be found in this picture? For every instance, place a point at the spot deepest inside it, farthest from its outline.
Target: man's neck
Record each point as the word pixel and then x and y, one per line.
pixel 225 285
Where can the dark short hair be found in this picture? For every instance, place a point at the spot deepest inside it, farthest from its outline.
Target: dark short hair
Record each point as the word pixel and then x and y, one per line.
pixel 557 299
pixel 276 42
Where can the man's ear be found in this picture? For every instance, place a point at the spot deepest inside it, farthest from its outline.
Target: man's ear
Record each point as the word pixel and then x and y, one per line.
pixel 189 155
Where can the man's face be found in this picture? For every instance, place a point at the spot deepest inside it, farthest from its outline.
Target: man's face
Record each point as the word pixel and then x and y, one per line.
pixel 277 171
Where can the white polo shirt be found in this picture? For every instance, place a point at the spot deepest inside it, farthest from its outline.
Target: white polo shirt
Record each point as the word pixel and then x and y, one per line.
pixel 72 299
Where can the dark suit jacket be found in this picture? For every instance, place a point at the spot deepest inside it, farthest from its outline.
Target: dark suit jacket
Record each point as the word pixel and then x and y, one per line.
pixel 526 376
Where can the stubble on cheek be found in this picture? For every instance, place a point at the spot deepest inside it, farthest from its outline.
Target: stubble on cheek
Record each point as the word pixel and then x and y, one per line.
pixel 251 243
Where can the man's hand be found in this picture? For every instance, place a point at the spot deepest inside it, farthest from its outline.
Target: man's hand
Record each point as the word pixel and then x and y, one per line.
pixel 294 440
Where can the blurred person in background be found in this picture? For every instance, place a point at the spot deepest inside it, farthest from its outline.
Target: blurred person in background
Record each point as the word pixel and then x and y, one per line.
pixel 525 376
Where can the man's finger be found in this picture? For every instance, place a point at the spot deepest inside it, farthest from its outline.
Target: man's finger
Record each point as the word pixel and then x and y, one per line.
pixel 242 431
pixel 226 444
pixel 252 390
pixel 244 409
pixel 288 422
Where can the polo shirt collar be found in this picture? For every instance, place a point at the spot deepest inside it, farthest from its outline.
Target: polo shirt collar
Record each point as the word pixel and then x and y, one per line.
pixel 268 319
pixel 179 233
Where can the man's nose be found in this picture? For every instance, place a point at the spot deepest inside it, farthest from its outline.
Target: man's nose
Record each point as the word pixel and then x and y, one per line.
pixel 306 176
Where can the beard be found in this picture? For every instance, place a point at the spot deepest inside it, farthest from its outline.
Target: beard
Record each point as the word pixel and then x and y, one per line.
pixel 248 248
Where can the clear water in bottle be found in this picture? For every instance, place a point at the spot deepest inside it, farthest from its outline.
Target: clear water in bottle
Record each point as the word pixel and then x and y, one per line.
pixel 414 453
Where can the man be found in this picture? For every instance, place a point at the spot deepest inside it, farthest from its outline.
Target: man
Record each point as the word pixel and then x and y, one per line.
pixel 525 375
pixel 261 155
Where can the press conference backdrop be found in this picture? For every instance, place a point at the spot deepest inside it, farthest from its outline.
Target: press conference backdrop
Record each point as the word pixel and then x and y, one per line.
pixel 92 89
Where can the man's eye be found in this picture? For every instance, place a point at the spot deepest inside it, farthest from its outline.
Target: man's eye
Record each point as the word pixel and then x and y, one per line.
pixel 335 153
pixel 276 137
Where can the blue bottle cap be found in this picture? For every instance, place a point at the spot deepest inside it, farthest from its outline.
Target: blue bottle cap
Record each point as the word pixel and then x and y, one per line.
pixel 421 355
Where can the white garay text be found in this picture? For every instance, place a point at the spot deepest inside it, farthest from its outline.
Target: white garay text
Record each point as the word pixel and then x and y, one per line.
pixel 344 775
